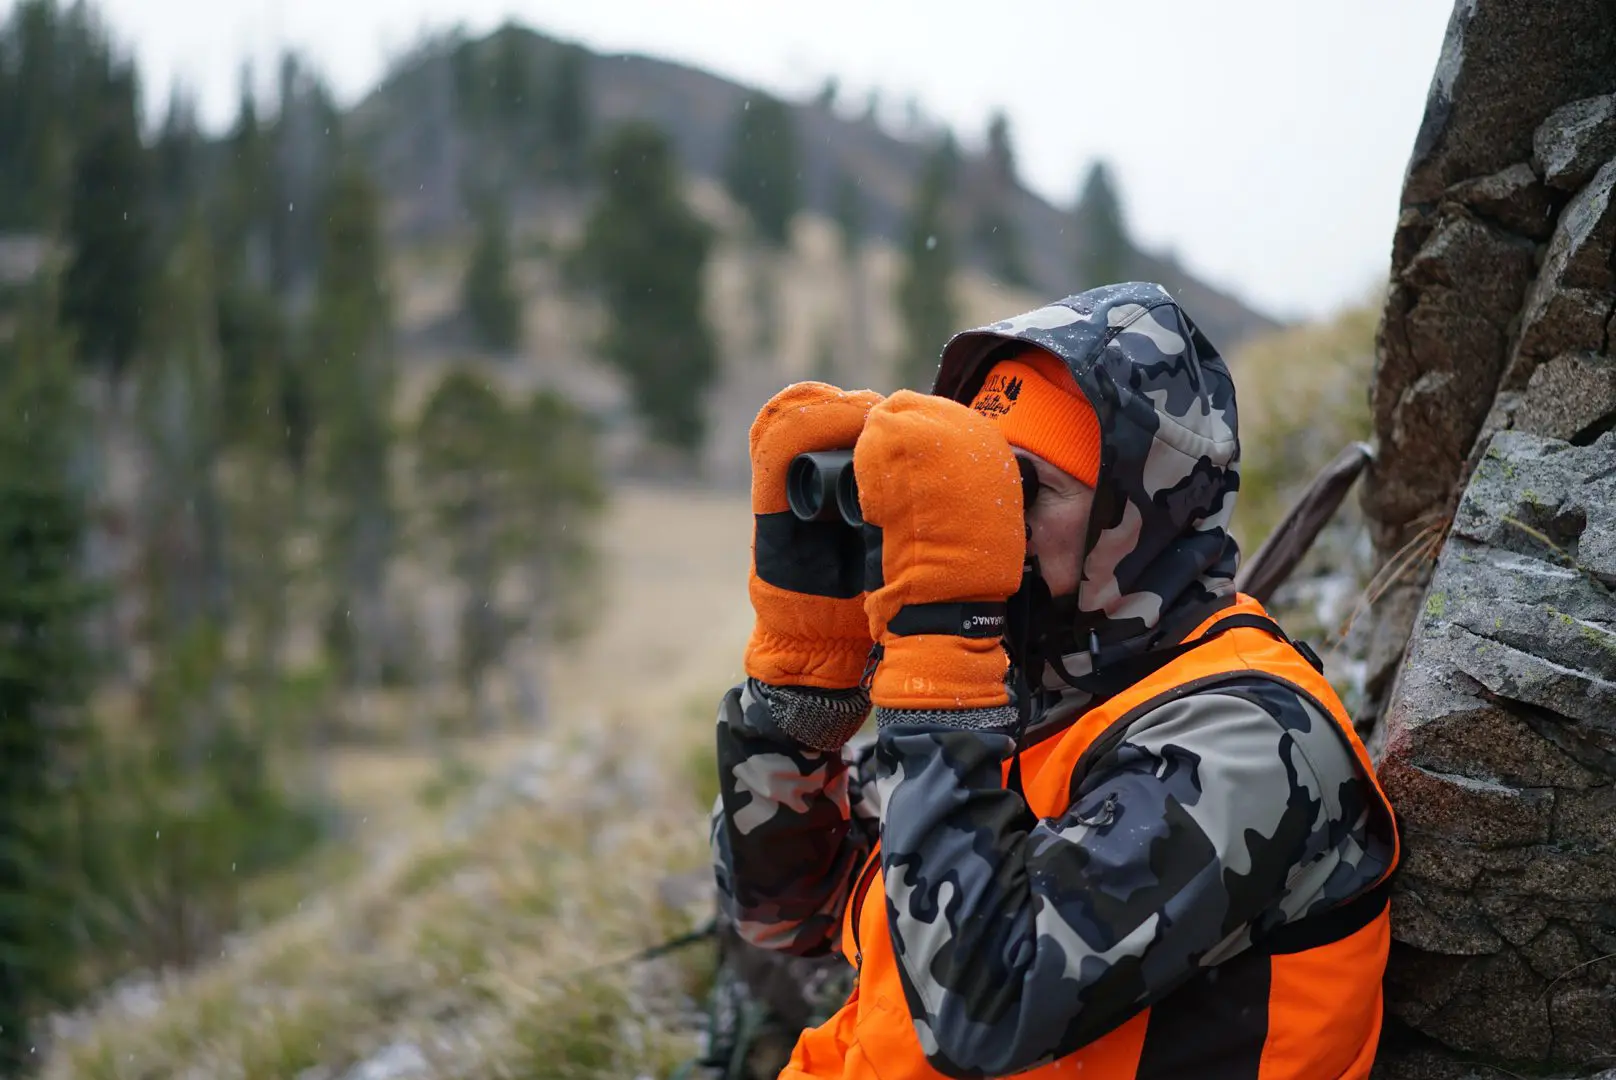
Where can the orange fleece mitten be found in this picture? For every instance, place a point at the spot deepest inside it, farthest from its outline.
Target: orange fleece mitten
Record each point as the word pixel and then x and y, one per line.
pixel 941 493
pixel 807 577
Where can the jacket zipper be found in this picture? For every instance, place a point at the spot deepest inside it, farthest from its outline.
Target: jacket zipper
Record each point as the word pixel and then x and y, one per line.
pixel 860 890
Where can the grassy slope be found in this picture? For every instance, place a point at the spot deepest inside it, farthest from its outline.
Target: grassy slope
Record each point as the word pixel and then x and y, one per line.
pixel 1304 395
pixel 465 940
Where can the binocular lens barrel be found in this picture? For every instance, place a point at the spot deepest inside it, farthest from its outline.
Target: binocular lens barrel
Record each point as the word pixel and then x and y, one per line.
pixel 847 496
pixel 820 487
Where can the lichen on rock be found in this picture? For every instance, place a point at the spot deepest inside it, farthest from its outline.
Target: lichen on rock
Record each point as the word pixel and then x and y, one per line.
pixel 1500 755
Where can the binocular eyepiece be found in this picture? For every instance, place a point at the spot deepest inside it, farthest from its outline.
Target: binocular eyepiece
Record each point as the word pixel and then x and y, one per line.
pixel 820 486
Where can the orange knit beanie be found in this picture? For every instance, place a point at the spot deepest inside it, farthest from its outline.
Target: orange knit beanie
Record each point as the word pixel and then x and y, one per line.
pixel 1040 409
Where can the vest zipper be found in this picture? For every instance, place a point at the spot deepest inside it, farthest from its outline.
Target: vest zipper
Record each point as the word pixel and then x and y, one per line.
pixel 860 890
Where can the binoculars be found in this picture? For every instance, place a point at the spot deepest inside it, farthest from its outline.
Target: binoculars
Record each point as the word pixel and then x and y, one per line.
pixel 820 486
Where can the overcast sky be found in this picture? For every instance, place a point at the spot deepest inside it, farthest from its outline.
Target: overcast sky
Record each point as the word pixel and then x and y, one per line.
pixel 1262 140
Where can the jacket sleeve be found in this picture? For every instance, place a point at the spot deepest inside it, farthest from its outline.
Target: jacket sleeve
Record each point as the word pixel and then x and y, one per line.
pixel 792 824
pixel 1021 940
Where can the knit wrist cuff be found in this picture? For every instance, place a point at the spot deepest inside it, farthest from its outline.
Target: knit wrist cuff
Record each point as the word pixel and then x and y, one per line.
pixel 1000 720
pixel 821 719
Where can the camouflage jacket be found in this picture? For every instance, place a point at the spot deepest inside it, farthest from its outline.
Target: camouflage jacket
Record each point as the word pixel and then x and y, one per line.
pixel 1215 815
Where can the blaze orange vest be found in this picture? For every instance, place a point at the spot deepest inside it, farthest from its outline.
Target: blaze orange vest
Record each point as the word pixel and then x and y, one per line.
pixel 1304 1006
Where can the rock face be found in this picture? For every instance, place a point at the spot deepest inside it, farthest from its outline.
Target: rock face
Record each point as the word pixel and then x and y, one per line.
pixel 1491 679
pixel 1500 755
pixel 1501 294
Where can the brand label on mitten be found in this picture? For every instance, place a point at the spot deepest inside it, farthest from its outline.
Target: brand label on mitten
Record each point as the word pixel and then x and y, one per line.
pixel 972 620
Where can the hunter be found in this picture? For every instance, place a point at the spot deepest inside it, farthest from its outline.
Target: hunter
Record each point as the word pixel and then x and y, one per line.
pixel 1114 823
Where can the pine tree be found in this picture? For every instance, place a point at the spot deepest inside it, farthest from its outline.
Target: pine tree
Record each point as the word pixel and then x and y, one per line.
pixel 462 443
pixel 998 232
pixel 44 675
pixel 108 232
pixel 180 524
pixel 53 65
pixel 304 147
pixel 764 169
pixel 568 107
pixel 513 126
pixel 854 343
pixel 177 163
pixel 1001 153
pixel 644 251
pixel 488 296
pixel 512 88
pixel 181 398
pixel 559 492
pixel 251 342
pixel 351 380
pixel 763 174
pixel 244 192
pixel 30 125
pixel 507 490
pixel 264 442
pixel 1103 252
pixel 559 495
pixel 266 388
pixel 925 298
pixel 850 215
pixel 259 382
pixel 829 91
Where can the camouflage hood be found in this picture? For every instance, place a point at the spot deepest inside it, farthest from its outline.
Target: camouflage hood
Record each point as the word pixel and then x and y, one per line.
pixel 1158 556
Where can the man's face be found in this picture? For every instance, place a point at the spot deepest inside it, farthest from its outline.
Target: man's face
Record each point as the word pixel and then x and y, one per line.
pixel 1057 520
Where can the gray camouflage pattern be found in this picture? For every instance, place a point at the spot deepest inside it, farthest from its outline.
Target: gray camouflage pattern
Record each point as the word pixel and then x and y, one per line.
pixel 791 826
pixel 1218 816
pixel 1212 819
pixel 1158 538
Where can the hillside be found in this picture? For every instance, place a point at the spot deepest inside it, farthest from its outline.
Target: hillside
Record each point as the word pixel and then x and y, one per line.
pixel 470 941
pixel 833 314
pixel 820 302
pixel 408 123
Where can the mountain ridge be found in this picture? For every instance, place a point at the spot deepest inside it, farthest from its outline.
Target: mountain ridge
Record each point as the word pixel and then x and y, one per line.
pixel 696 107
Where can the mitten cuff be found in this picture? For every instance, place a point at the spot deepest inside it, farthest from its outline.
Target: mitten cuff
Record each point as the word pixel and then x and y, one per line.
pixel 996 721
pixel 823 663
pixel 941 672
pixel 820 719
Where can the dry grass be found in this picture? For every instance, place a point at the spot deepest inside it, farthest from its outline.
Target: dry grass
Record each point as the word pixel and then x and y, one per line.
pixel 473 948
pixel 466 942
pixel 1303 394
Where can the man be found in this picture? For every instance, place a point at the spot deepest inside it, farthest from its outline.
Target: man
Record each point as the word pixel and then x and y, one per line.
pixel 1114 823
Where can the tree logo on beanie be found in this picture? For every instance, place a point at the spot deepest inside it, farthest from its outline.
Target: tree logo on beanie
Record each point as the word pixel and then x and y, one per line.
pixel 997 395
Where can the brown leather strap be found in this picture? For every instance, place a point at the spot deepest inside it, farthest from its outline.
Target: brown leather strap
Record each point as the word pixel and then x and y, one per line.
pixel 1293 537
